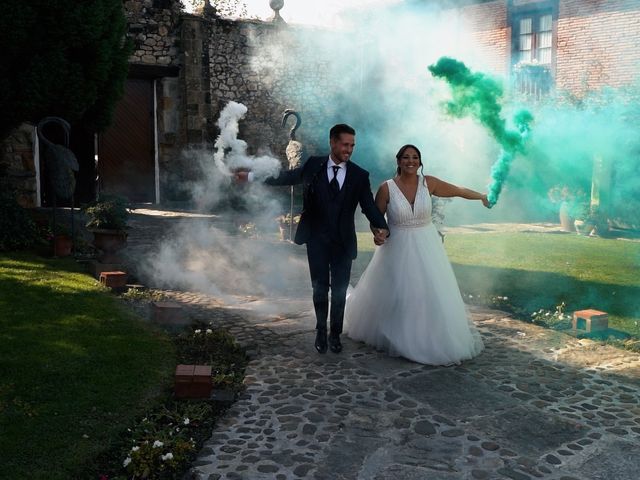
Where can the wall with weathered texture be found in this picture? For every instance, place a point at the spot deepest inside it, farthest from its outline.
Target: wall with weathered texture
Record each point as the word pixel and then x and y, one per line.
pixel 17 167
pixel 152 26
pixel 598 44
pixel 489 33
pixel 270 67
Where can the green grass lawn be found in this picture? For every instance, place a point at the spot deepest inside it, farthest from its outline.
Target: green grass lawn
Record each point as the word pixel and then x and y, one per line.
pixel 75 368
pixel 541 270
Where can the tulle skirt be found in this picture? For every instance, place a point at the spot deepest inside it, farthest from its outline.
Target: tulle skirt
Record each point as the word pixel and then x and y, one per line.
pixel 408 303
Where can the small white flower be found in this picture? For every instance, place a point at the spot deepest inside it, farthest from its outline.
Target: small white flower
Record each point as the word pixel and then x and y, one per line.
pixel 177 429
pixel 505 298
pixel 167 456
pixel 126 462
pixel 186 421
pixel 209 331
pixel 547 314
pixel 135 449
pixel 85 436
pixel 470 296
pixel 197 331
pixel 157 444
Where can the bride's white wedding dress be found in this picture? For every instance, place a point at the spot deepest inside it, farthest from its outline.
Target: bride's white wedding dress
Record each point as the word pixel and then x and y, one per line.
pixel 407 301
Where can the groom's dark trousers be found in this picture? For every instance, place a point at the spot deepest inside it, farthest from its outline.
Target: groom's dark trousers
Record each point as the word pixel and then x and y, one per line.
pixel 327 227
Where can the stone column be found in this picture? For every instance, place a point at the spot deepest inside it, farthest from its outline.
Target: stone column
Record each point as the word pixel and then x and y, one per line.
pixel 195 80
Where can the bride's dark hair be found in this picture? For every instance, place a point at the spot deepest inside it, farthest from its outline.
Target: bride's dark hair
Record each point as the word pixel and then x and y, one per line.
pixel 401 152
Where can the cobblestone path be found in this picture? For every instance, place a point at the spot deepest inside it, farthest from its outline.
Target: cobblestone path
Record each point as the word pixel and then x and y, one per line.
pixel 535 404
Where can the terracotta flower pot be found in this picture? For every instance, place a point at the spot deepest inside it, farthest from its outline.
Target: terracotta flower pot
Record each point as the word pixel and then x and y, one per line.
pixel 62 245
pixel 109 243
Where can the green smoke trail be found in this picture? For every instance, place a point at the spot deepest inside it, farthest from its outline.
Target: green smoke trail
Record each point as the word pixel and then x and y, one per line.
pixel 478 95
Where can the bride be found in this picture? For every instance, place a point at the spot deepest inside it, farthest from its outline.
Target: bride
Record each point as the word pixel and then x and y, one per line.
pixel 407 301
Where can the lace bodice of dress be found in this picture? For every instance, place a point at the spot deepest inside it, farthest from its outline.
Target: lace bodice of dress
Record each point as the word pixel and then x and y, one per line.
pixel 399 211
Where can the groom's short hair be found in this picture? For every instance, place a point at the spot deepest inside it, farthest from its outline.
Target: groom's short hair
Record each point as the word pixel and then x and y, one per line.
pixel 339 129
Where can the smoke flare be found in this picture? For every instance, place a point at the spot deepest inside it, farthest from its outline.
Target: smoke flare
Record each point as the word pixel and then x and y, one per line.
pixel 231 151
pixel 478 95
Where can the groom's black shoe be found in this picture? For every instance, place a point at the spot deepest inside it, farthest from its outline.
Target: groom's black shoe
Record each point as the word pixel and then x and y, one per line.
pixel 321 341
pixel 334 343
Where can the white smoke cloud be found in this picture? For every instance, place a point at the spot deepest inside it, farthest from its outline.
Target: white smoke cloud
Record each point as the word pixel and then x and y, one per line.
pixel 220 254
pixel 231 152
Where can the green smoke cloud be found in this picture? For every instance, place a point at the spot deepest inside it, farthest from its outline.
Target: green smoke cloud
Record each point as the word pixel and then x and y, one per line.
pixel 478 95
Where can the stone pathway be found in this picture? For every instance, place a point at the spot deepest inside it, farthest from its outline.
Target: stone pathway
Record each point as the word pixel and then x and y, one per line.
pixel 535 404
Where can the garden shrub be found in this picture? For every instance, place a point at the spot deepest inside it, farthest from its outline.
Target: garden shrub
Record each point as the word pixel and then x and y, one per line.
pixel 17 229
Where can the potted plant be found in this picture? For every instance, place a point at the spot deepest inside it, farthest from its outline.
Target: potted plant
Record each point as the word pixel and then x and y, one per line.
pixel 572 204
pixel 107 219
pixel 596 223
pixel 284 225
pixel 585 222
pixel 62 241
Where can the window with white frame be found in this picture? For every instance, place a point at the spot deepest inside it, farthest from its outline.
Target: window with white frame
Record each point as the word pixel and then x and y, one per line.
pixel 534 38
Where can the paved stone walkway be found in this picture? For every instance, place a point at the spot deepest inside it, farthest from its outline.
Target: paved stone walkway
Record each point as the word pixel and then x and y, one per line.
pixel 535 404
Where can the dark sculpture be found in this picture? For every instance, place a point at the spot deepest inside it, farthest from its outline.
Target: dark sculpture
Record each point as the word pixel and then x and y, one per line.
pixel 285 116
pixel 61 163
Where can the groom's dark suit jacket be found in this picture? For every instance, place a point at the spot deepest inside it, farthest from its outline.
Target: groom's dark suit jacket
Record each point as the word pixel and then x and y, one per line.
pixel 316 214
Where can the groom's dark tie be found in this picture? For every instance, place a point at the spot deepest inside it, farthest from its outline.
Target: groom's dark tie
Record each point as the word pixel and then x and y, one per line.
pixel 333 184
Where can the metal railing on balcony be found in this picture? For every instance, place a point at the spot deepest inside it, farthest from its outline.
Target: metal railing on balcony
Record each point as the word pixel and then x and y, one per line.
pixel 532 80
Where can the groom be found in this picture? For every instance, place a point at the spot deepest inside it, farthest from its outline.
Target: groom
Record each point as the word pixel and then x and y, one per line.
pixel 333 188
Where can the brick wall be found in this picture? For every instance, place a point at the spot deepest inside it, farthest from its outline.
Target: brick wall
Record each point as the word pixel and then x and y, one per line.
pixel 488 25
pixel 598 41
pixel 598 44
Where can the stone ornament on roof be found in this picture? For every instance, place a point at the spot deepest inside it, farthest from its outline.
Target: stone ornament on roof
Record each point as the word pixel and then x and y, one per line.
pixel 276 6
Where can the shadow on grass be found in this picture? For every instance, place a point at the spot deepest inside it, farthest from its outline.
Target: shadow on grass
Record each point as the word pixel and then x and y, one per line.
pixel 72 361
pixel 531 290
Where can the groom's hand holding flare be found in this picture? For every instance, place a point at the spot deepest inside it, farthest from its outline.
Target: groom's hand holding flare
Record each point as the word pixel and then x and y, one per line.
pixel 241 176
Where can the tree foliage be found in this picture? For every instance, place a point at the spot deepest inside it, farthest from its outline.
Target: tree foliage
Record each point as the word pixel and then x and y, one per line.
pixel 66 58
pixel 224 8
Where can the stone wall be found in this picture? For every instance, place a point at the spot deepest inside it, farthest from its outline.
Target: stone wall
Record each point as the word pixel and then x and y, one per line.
pixel 17 167
pixel 152 26
pixel 270 67
pixel 273 66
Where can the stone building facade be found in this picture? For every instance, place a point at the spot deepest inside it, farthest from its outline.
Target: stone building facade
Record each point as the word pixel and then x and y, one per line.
pixel 183 70
pixel 186 67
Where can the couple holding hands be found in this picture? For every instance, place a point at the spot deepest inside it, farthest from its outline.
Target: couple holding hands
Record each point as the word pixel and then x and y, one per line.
pixel 407 301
